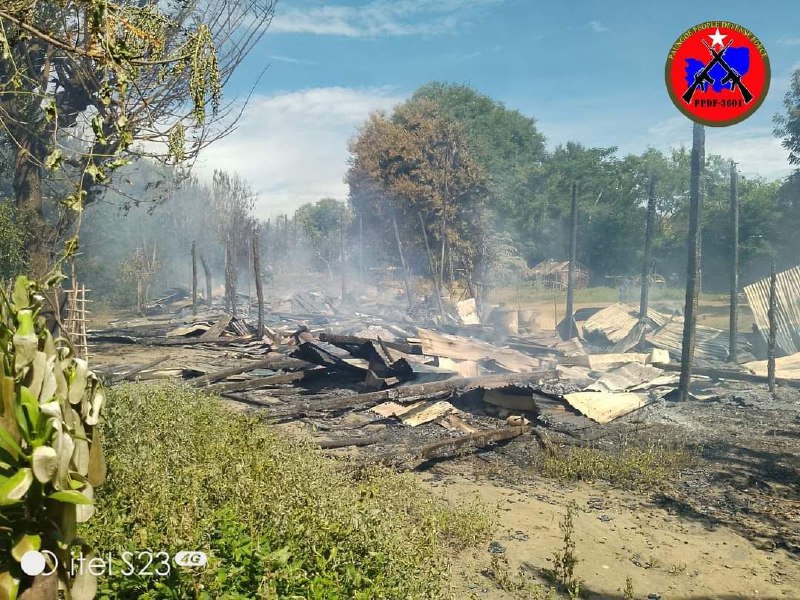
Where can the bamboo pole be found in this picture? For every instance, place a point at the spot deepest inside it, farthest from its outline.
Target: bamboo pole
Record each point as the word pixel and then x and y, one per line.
pixel 693 267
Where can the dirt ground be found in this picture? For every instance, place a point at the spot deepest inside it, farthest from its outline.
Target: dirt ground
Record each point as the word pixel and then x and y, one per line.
pixel 618 535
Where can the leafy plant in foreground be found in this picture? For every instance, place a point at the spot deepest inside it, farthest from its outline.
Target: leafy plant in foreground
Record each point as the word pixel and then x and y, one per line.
pixel 50 454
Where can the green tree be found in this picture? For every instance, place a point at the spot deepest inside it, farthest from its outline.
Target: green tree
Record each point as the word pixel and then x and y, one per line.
pixel 321 223
pixel 142 71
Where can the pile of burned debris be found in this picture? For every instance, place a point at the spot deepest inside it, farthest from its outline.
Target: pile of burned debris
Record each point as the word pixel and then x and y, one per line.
pixel 364 374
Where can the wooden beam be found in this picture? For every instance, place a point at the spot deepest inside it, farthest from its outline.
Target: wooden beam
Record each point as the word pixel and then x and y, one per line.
pixel 262 382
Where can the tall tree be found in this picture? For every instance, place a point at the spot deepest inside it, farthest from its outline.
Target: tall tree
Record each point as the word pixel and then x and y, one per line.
pixel 82 80
pixel 419 161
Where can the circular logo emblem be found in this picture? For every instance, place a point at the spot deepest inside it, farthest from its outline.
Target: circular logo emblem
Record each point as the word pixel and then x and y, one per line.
pixel 717 73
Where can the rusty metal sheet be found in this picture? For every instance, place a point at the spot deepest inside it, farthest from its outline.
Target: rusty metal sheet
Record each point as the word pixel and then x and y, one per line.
pixel 612 324
pixel 787 316
pixel 711 345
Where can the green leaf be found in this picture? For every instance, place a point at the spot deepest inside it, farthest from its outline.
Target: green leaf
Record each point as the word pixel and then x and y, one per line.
pixel 15 488
pixel 25 543
pixel 9 444
pixel 44 463
pixel 69 497
pixel 9 586
pixel 53 160
pixel 20 295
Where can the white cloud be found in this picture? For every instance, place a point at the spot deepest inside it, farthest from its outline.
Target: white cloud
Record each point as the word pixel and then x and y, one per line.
pixel 290 60
pixel 754 148
pixel 789 41
pixel 598 27
pixel 378 18
pixel 292 147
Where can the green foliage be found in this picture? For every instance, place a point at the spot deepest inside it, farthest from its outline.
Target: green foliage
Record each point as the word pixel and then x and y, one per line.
pixel 50 457
pixel 631 466
pixel 13 236
pixel 322 224
pixel 787 126
pixel 565 560
pixel 277 519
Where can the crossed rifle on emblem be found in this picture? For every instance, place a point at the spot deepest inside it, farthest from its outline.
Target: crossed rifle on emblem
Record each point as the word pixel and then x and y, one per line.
pixel 731 76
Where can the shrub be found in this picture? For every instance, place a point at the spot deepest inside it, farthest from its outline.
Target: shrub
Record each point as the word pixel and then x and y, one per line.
pixel 276 518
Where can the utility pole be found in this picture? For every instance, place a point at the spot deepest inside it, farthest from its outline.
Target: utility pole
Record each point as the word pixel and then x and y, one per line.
pixel 573 251
pixel 734 298
pixel 693 267
pixel 648 248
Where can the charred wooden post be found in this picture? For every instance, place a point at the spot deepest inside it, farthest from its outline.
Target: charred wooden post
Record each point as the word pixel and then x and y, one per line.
pixel 341 254
pixel 402 261
pixel 230 278
pixel 734 297
pixel 194 278
pixel 573 250
pixel 648 248
pixel 437 285
pixel 259 287
pixel 773 327
pixel 693 267
pixel 207 272
pixel 361 249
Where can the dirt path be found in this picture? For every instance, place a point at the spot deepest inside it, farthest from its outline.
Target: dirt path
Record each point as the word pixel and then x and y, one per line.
pixel 618 535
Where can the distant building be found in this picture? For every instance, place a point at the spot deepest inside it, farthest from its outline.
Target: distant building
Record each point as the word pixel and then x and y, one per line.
pixel 554 274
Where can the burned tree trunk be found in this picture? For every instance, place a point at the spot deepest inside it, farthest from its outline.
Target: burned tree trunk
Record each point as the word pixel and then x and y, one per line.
pixel 773 328
pixel 402 261
pixel 734 296
pixel 230 278
pixel 207 272
pixel 693 267
pixel 573 250
pixel 259 288
pixel 341 255
pixel 648 248
pixel 437 285
pixel 194 278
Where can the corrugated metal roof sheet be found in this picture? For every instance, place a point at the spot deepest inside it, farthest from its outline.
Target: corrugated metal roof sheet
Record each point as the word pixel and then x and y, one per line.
pixel 613 323
pixel 710 344
pixel 787 316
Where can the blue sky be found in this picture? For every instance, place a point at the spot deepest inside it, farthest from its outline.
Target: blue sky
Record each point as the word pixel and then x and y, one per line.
pixel 586 70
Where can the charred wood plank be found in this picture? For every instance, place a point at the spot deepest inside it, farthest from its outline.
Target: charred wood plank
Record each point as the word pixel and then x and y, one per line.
pixel 273 361
pixel 348 442
pixel 448 447
pixel 407 393
pixel 262 382
pixel 732 375
pixel 352 342
pixel 129 375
